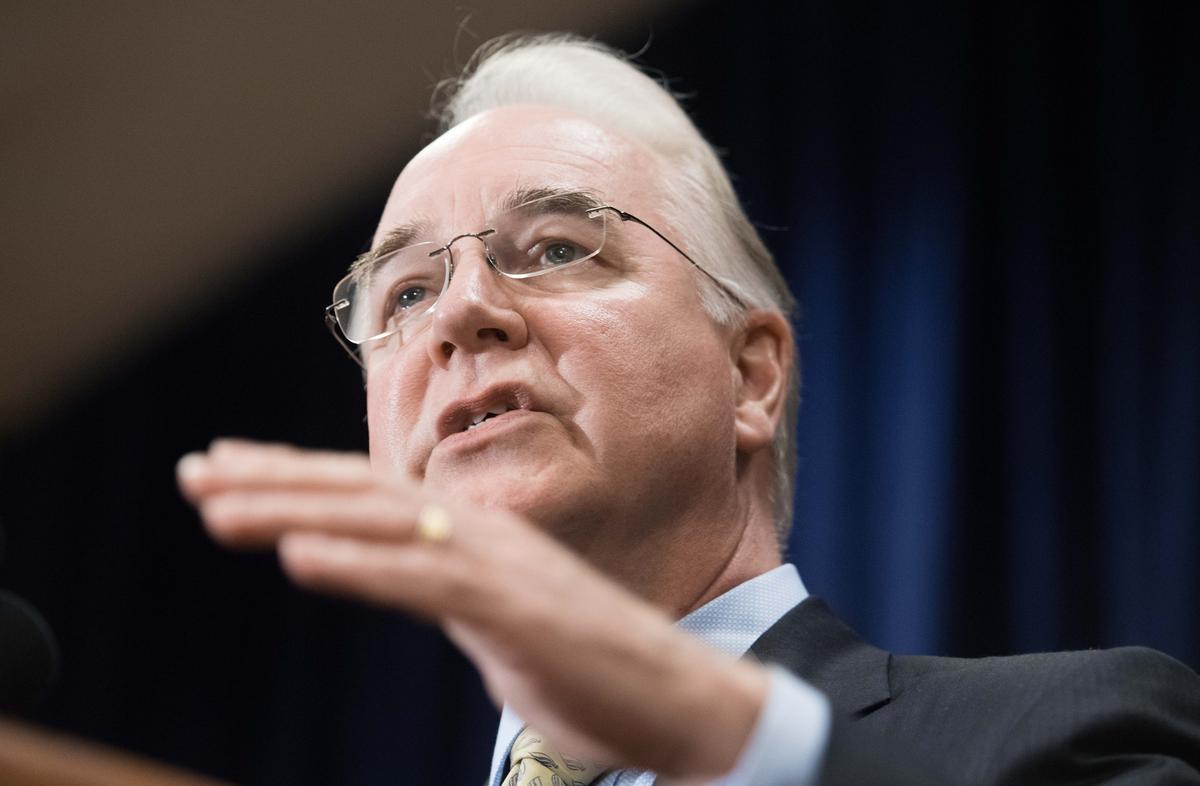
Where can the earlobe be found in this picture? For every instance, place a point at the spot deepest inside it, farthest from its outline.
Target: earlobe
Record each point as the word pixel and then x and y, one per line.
pixel 763 359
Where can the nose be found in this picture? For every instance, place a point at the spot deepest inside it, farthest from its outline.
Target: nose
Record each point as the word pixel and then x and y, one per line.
pixel 477 311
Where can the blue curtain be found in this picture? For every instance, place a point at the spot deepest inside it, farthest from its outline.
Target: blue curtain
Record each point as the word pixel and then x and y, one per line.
pixel 989 214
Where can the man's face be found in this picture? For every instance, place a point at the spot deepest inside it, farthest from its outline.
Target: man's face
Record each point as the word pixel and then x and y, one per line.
pixel 623 393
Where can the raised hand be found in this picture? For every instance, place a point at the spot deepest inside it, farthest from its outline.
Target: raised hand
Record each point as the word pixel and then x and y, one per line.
pixel 602 673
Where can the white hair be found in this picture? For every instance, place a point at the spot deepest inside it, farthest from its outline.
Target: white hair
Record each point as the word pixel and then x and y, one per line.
pixel 600 84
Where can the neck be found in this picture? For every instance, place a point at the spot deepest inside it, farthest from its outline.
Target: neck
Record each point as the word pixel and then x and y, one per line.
pixel 743 544
pixel 682 565
pixel 679 551
pixel 754 552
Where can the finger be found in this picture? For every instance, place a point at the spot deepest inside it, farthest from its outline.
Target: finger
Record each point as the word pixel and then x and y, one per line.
pixel 237 459
pixel 414 576
pixel 259 518
pixel 245 465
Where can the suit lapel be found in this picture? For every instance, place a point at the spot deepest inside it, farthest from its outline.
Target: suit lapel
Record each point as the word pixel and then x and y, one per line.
pixel 816 646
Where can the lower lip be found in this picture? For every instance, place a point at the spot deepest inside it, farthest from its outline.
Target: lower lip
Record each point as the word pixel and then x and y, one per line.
pixel 488 429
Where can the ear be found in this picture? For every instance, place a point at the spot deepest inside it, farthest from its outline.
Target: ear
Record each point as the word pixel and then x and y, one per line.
pixel 763 357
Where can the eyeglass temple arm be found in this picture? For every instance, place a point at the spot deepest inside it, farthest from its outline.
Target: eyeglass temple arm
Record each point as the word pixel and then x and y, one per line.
pixel 723 286
pixel 331 323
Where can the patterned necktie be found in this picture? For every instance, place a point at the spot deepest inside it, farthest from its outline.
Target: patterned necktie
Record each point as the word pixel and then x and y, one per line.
pixel 535 762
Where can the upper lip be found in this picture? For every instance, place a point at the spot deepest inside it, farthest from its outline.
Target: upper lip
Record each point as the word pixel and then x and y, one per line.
pixel 459 414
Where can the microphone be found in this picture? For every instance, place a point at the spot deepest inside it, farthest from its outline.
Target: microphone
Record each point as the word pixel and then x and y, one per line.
pixel 28 655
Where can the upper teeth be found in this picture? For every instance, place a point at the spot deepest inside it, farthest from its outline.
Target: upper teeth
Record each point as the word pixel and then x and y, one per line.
pixel 498 409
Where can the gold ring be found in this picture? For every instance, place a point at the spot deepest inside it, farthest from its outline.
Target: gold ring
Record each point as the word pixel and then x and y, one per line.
pixel 433 524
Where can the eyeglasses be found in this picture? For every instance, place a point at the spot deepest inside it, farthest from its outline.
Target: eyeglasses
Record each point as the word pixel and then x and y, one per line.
pixel 550 243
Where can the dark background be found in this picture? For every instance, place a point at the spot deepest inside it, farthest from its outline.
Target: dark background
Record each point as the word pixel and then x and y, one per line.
pixel 989 214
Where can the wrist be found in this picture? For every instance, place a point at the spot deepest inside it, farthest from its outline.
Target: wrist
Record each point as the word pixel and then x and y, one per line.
pixel 725 707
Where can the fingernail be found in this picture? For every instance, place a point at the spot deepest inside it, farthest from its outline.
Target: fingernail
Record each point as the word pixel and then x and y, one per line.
pixel 220 443
pixel 191 466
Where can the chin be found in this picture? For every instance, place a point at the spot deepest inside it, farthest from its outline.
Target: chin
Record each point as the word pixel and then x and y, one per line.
pixel 502 490
pixel 553 504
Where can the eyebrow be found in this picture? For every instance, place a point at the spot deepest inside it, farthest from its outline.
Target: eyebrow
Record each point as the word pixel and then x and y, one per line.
pixel 550 200
pixel 536 201
pixel 397 238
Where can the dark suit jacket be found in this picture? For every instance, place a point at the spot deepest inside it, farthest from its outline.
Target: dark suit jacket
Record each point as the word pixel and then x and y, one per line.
pixel 1122 716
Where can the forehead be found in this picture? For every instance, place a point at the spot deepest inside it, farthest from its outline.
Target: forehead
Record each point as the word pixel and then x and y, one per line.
pixel 464 174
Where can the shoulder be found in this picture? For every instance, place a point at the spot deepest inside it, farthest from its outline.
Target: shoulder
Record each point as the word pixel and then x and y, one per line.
pixel 1050 716
pixel 1120 716
pixel 1122 673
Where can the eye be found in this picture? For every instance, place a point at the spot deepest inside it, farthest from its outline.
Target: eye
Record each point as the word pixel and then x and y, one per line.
pixel 406 302
pixel 559 253
pixel 408 298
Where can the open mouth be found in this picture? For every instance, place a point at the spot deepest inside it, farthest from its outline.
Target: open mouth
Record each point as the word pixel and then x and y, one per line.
pixel 483 417
pixel 469 414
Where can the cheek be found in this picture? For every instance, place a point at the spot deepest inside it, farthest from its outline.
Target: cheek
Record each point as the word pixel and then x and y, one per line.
pixel 647 378
pixel 394 405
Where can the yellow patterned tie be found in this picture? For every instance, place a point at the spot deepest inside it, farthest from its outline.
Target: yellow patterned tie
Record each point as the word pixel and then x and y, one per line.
pixel 535 762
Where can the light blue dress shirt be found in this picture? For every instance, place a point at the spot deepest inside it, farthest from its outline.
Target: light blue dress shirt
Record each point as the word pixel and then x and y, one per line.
pixel 791 734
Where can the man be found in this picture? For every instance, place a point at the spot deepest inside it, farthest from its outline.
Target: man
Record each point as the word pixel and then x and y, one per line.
pixel 581 398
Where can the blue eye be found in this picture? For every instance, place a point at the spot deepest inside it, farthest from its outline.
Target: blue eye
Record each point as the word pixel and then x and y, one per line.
pixel 407 298
pixel 560 254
